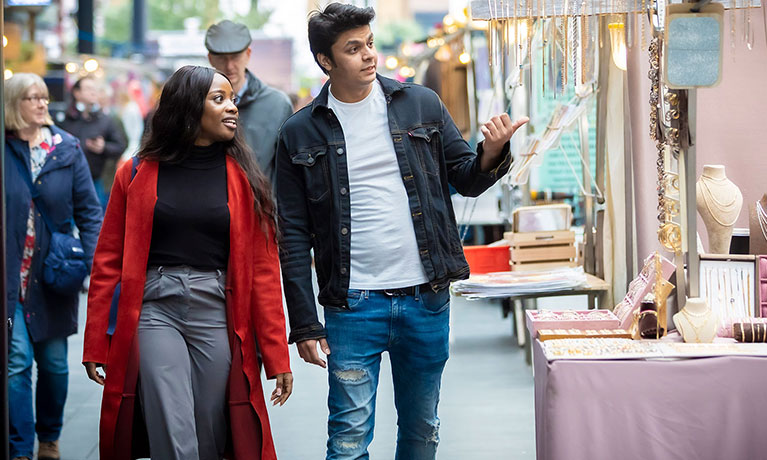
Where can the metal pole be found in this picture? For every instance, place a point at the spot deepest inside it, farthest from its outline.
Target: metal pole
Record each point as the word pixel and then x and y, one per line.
pixel 139 26
pixel 693 259
pixel 601 152
pixel 588 202
pixel 628 183
pixel 85 36
pixel 4 325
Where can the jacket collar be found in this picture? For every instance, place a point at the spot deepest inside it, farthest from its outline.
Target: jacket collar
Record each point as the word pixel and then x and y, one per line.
pixel 64 142
pixel 255 87
pixel 389 88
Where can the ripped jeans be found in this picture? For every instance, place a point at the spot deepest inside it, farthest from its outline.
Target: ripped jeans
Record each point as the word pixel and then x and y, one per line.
pixel 414 330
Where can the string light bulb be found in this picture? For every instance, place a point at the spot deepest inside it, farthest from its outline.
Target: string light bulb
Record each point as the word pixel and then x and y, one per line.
pixel 618 44
pixel 391 62
pixel 443 54
pixel 91 65
pixel 464 58
pixel 406 72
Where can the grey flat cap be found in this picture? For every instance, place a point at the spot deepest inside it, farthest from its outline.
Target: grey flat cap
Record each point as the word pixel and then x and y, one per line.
pixel 227 37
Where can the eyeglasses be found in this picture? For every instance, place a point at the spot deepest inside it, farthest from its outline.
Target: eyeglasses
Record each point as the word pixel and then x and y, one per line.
pixel 37 99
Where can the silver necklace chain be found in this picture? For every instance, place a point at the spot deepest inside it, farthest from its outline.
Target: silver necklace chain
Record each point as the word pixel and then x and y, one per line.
pixel 761 216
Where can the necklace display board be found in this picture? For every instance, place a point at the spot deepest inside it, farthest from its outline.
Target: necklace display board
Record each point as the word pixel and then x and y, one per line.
pixel 729 284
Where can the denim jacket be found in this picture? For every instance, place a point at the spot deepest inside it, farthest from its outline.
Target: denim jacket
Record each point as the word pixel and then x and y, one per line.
pixel 315 210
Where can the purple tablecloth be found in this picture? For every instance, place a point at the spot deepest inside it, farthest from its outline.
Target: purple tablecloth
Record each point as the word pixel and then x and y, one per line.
pixel 706 408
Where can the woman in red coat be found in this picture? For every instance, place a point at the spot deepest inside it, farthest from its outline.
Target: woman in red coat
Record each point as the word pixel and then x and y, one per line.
pixel 185 288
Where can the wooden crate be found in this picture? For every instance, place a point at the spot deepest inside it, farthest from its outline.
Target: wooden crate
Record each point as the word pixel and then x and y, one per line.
pixel 542 250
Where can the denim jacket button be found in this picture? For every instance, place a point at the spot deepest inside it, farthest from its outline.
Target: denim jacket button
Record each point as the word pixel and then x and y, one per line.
pixel 343 270
pixel 310 160
pixel 344 231
pixel 340 150
pixel 343 190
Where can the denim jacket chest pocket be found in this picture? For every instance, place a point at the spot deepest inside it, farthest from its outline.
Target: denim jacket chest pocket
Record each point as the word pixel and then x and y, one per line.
pixel 314 163
pixel 426 143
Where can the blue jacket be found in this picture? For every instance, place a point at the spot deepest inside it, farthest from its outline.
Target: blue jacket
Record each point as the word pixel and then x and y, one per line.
pixel 66 188
pixel 315 209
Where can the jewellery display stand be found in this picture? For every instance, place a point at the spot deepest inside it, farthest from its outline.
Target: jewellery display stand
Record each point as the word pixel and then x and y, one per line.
pixel 729 285
pixel 719 202
pixel 639 287
pixel 696 322
pixel 757 230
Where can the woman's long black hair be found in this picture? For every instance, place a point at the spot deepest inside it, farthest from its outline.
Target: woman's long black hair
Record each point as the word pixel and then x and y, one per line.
pixel 176 124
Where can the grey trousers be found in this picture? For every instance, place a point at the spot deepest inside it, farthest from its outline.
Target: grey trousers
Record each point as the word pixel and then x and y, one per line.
pixel 184 363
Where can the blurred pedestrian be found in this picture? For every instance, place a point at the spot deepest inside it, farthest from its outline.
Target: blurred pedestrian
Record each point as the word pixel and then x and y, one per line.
pixel 362 178
pixel 41 156
pixel 190 246
pixel 262 108
pixel 100 135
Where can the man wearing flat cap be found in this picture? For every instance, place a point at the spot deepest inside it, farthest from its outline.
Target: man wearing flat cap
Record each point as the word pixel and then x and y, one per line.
pixel 262 109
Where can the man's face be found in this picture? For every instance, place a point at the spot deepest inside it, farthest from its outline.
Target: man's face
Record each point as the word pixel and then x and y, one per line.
pixel 232 65
pixel 88 93
pixel 354 60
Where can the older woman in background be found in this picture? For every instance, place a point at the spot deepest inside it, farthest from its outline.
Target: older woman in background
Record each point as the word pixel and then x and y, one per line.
pixel 52 160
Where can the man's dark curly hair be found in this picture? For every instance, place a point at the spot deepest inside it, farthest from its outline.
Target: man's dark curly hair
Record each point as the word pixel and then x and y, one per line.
pixel 326 25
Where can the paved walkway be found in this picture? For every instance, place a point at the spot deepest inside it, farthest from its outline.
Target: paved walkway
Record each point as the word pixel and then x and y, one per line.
pixel 486 410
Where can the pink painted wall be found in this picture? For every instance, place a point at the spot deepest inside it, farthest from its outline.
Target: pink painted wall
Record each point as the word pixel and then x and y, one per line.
pixel 731 127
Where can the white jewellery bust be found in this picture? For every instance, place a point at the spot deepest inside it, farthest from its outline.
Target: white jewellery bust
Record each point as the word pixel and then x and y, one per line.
pixel 696 322
pixel 719 202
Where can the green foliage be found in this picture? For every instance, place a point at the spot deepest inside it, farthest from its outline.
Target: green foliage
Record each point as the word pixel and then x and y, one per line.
pixel 391 35
pixel 170 15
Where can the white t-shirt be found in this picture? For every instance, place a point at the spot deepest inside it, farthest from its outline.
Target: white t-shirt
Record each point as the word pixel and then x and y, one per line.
pixel 384 252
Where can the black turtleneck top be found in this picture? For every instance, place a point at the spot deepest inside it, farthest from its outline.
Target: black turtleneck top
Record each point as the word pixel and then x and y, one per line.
pixel 191 217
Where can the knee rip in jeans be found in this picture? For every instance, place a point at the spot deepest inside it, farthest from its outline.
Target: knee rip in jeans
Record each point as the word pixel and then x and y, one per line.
pixel 347 443
pixel 429 437
pixel 434 436
pixel 350 375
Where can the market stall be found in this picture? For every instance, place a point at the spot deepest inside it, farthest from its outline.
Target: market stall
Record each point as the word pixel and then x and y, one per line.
pixel 633 399
pixel 644 379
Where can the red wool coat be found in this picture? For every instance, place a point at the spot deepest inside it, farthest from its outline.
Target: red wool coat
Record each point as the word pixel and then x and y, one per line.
pixel 253 302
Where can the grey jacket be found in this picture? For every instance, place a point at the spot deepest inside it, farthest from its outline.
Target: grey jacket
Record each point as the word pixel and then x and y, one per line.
pixel 263 109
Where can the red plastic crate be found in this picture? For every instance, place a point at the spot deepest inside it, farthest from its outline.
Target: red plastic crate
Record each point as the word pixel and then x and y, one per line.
pixel 487 259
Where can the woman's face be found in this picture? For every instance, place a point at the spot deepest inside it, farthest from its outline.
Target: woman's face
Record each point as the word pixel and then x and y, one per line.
pixel 34 106
pixel 219 114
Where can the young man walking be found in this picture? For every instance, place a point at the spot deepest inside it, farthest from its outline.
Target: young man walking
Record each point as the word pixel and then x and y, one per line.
pixel 362 178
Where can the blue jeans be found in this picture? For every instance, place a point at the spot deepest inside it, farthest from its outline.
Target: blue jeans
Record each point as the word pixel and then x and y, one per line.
pixel 414 330
pixel 101 192
pixel 51 392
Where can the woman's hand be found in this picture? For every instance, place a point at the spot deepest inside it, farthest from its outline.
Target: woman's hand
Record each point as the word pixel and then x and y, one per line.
pixel 282 390
pixel 93 373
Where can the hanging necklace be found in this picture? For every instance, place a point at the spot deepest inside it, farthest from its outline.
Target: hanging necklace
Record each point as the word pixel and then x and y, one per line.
pixel 723 206
pixel 719 206
pixel 761 216
pixel 695 329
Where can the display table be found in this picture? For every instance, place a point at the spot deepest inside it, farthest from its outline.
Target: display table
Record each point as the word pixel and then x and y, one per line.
pixel 595 289
pixel 705 408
